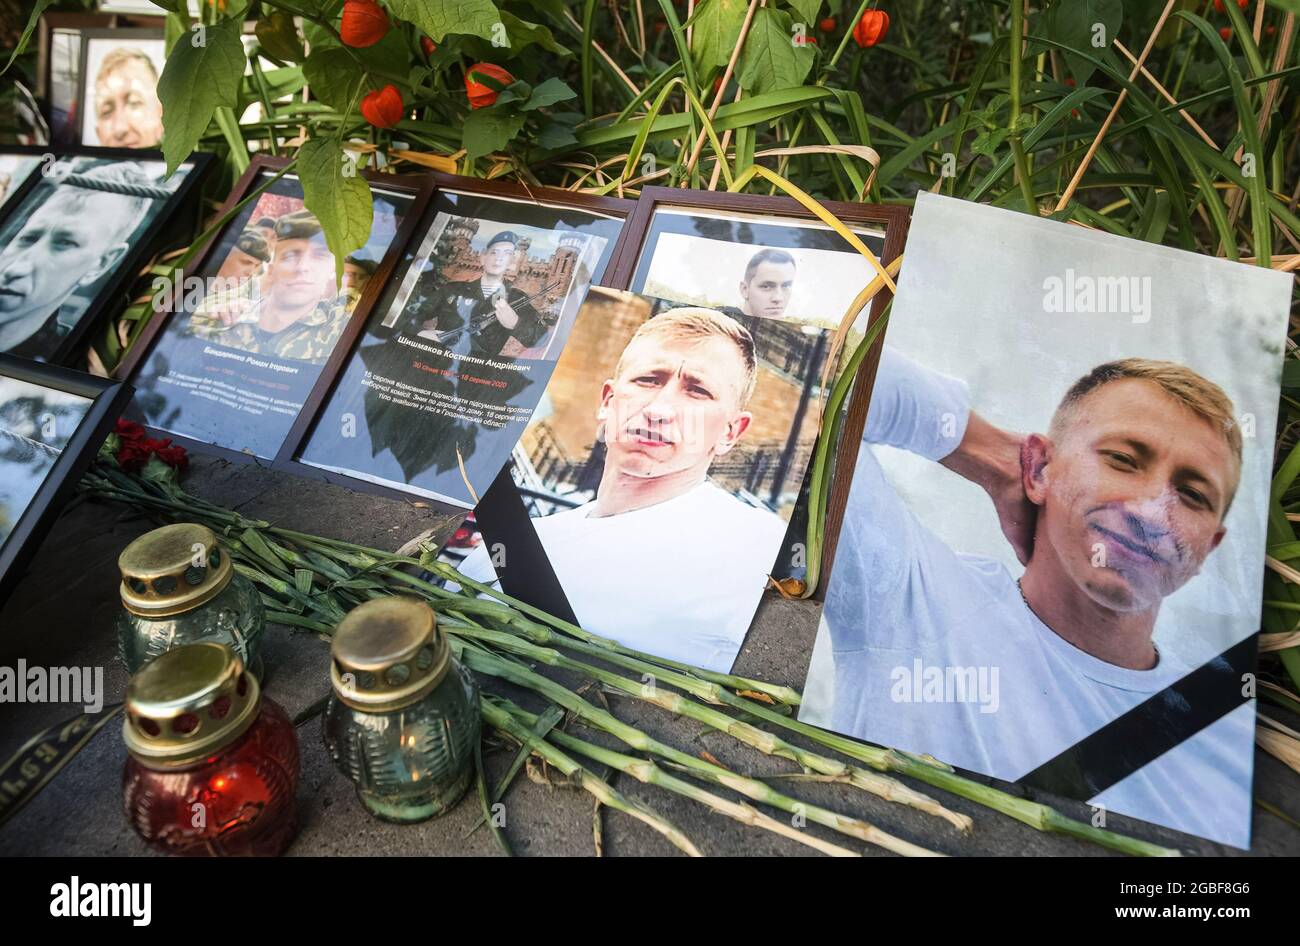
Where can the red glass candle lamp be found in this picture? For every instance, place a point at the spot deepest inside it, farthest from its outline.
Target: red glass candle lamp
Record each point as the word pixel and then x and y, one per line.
pixel 213 764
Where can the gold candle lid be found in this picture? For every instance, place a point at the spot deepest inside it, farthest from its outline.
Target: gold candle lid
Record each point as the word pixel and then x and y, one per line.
pixel 387 653
pixel 172 570
pixel 188 703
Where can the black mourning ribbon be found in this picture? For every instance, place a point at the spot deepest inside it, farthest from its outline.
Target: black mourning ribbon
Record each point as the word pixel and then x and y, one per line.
pixel 1153 727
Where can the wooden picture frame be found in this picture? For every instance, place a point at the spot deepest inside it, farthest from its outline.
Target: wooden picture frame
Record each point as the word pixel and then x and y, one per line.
pixel 108 398
pixel 52 23
pixel 300 435
pixel 892 219
pixel 417 187
pixel 165 226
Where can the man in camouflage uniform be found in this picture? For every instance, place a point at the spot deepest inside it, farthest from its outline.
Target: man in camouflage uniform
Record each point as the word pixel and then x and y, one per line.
pixel 478 316
pixel 299 314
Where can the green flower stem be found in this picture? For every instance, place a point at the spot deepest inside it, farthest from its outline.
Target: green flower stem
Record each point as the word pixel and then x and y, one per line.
pixel 645 771
pixel 476 658
pixel 1015 42
pixel 601 790
pixel 885 787
pixel 781 694
pixel 114 484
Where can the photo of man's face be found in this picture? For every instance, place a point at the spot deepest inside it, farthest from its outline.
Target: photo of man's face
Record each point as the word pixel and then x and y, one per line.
pixel 128 113
pixel 766 292
pixel 674 404
pixel 1132 493
pixel 497 258
pixel 54 252
pixel 239 265
pixel 301 271
pixel 355 277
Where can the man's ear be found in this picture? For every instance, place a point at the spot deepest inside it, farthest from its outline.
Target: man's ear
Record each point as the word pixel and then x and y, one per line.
pixel 106 262
pixel 735 430
pixel 1035 454
pixel 1218 537
pixel 606 392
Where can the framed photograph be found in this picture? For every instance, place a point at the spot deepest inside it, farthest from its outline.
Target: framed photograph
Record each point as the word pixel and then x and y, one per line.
pixel 58 70
pixel 768 257
pixel 52 422
pixel 119 88
pixel 1053 548
pixel 236 348
pixel 640 472
pixel 455 356
pixel 77 236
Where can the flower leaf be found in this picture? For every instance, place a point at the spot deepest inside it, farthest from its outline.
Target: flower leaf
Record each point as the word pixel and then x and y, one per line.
pixel 437 18
pixel 771 61
pixel 340 200
pixel 202 73
pixel 489 129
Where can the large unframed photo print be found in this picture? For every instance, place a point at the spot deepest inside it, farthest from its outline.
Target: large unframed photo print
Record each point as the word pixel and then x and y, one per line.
pixel 457 353
pixel 1050 564
pixel 654 511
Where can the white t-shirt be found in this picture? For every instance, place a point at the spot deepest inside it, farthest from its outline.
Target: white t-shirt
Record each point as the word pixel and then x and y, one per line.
pixel 935 651
pixel 680 579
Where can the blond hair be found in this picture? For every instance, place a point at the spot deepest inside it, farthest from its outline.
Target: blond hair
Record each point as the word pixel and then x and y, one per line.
pixel 1198 394
pixel 122 56
pixel 698 324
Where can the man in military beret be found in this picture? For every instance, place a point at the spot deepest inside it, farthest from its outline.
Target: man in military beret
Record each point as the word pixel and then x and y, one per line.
pixel 356 276
pixel 478 316
pixel 246 259
pixel 299 314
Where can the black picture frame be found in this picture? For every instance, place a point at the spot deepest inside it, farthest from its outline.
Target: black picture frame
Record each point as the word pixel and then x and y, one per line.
pixel 108 398
pixel 419 187
pixel 170 224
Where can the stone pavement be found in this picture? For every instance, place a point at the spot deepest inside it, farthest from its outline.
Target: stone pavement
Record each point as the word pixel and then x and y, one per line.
pixel 62 615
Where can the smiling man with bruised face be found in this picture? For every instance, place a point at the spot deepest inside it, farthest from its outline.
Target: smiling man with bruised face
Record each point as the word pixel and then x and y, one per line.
pixel 1112 510
pixel 1132 484
pixel 663 560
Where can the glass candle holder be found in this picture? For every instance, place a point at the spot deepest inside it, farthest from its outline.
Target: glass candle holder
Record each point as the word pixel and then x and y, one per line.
pixel 403 717
pixel 179 587
pixel 213 765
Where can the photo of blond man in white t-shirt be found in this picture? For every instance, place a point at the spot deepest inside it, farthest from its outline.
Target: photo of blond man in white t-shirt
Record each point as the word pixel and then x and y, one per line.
pixel 663 560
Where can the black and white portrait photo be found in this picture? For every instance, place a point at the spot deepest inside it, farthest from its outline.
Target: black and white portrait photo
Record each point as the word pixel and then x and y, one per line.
pixel 67 239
